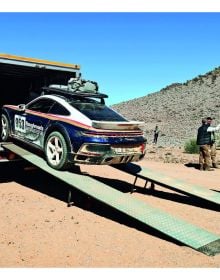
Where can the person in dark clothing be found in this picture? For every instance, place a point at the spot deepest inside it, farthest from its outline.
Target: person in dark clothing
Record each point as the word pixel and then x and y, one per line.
pixel 202 151
pixel 205 141
pixel 213 143
pixel 156 134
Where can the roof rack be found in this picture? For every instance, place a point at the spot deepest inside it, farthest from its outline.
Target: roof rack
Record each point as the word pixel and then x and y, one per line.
pixel 68 93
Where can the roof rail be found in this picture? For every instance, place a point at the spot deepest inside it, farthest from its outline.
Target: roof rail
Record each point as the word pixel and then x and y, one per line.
pixel 68 93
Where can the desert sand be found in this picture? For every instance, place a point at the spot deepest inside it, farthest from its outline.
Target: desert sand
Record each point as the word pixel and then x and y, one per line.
pixel 37 229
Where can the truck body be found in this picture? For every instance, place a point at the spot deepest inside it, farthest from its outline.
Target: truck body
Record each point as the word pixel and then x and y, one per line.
pixel 22 79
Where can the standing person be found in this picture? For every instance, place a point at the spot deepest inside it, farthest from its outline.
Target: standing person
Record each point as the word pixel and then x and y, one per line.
pixel 156 134
pixel 203 153
pixel 212 130
pixel 205 142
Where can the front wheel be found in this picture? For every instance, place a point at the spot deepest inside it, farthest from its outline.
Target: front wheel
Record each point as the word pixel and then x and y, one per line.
pixel 56 151
pixel 5 131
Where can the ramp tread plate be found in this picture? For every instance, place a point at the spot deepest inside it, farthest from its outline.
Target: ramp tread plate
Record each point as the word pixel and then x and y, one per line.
pixel 178 229
pixel 175 184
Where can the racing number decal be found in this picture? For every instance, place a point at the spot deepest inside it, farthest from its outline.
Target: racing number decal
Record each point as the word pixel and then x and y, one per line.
pixel 20 123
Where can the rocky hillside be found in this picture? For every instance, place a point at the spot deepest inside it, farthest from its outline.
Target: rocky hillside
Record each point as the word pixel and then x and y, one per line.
pixel 177 109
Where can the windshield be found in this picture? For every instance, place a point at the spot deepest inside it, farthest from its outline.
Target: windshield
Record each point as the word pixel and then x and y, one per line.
pixel 96 111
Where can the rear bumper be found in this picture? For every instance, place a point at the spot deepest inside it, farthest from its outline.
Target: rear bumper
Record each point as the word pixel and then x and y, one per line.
pixel 106 154
pixel 107 160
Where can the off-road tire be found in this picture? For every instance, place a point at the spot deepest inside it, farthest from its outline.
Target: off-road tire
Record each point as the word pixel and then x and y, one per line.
pixel 56 151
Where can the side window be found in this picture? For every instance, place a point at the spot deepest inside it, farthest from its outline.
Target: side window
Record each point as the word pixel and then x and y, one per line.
pixel 43 105
pixel 58 109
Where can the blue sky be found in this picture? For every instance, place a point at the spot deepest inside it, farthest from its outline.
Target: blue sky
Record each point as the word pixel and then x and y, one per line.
pixel 129 54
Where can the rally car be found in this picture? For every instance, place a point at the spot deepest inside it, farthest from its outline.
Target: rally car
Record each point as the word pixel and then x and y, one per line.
pixel 74 127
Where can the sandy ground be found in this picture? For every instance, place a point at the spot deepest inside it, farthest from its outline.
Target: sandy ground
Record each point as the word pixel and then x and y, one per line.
pixel 37 229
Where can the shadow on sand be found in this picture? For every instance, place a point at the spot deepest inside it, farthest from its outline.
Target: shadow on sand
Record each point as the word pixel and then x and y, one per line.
pixel 43 182
pixel 192 165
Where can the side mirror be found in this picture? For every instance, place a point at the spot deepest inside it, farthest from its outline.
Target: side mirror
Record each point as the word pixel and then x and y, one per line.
pixel 21 107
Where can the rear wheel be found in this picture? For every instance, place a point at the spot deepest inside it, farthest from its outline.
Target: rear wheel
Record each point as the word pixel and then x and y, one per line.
pixel 56 151
pixel 5 132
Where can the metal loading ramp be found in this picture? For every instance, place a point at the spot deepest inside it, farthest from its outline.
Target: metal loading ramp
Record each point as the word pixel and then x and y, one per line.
pixel 188 234
pixel 170 183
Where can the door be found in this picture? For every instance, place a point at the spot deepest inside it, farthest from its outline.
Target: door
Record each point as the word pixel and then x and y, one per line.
pixel 34 120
